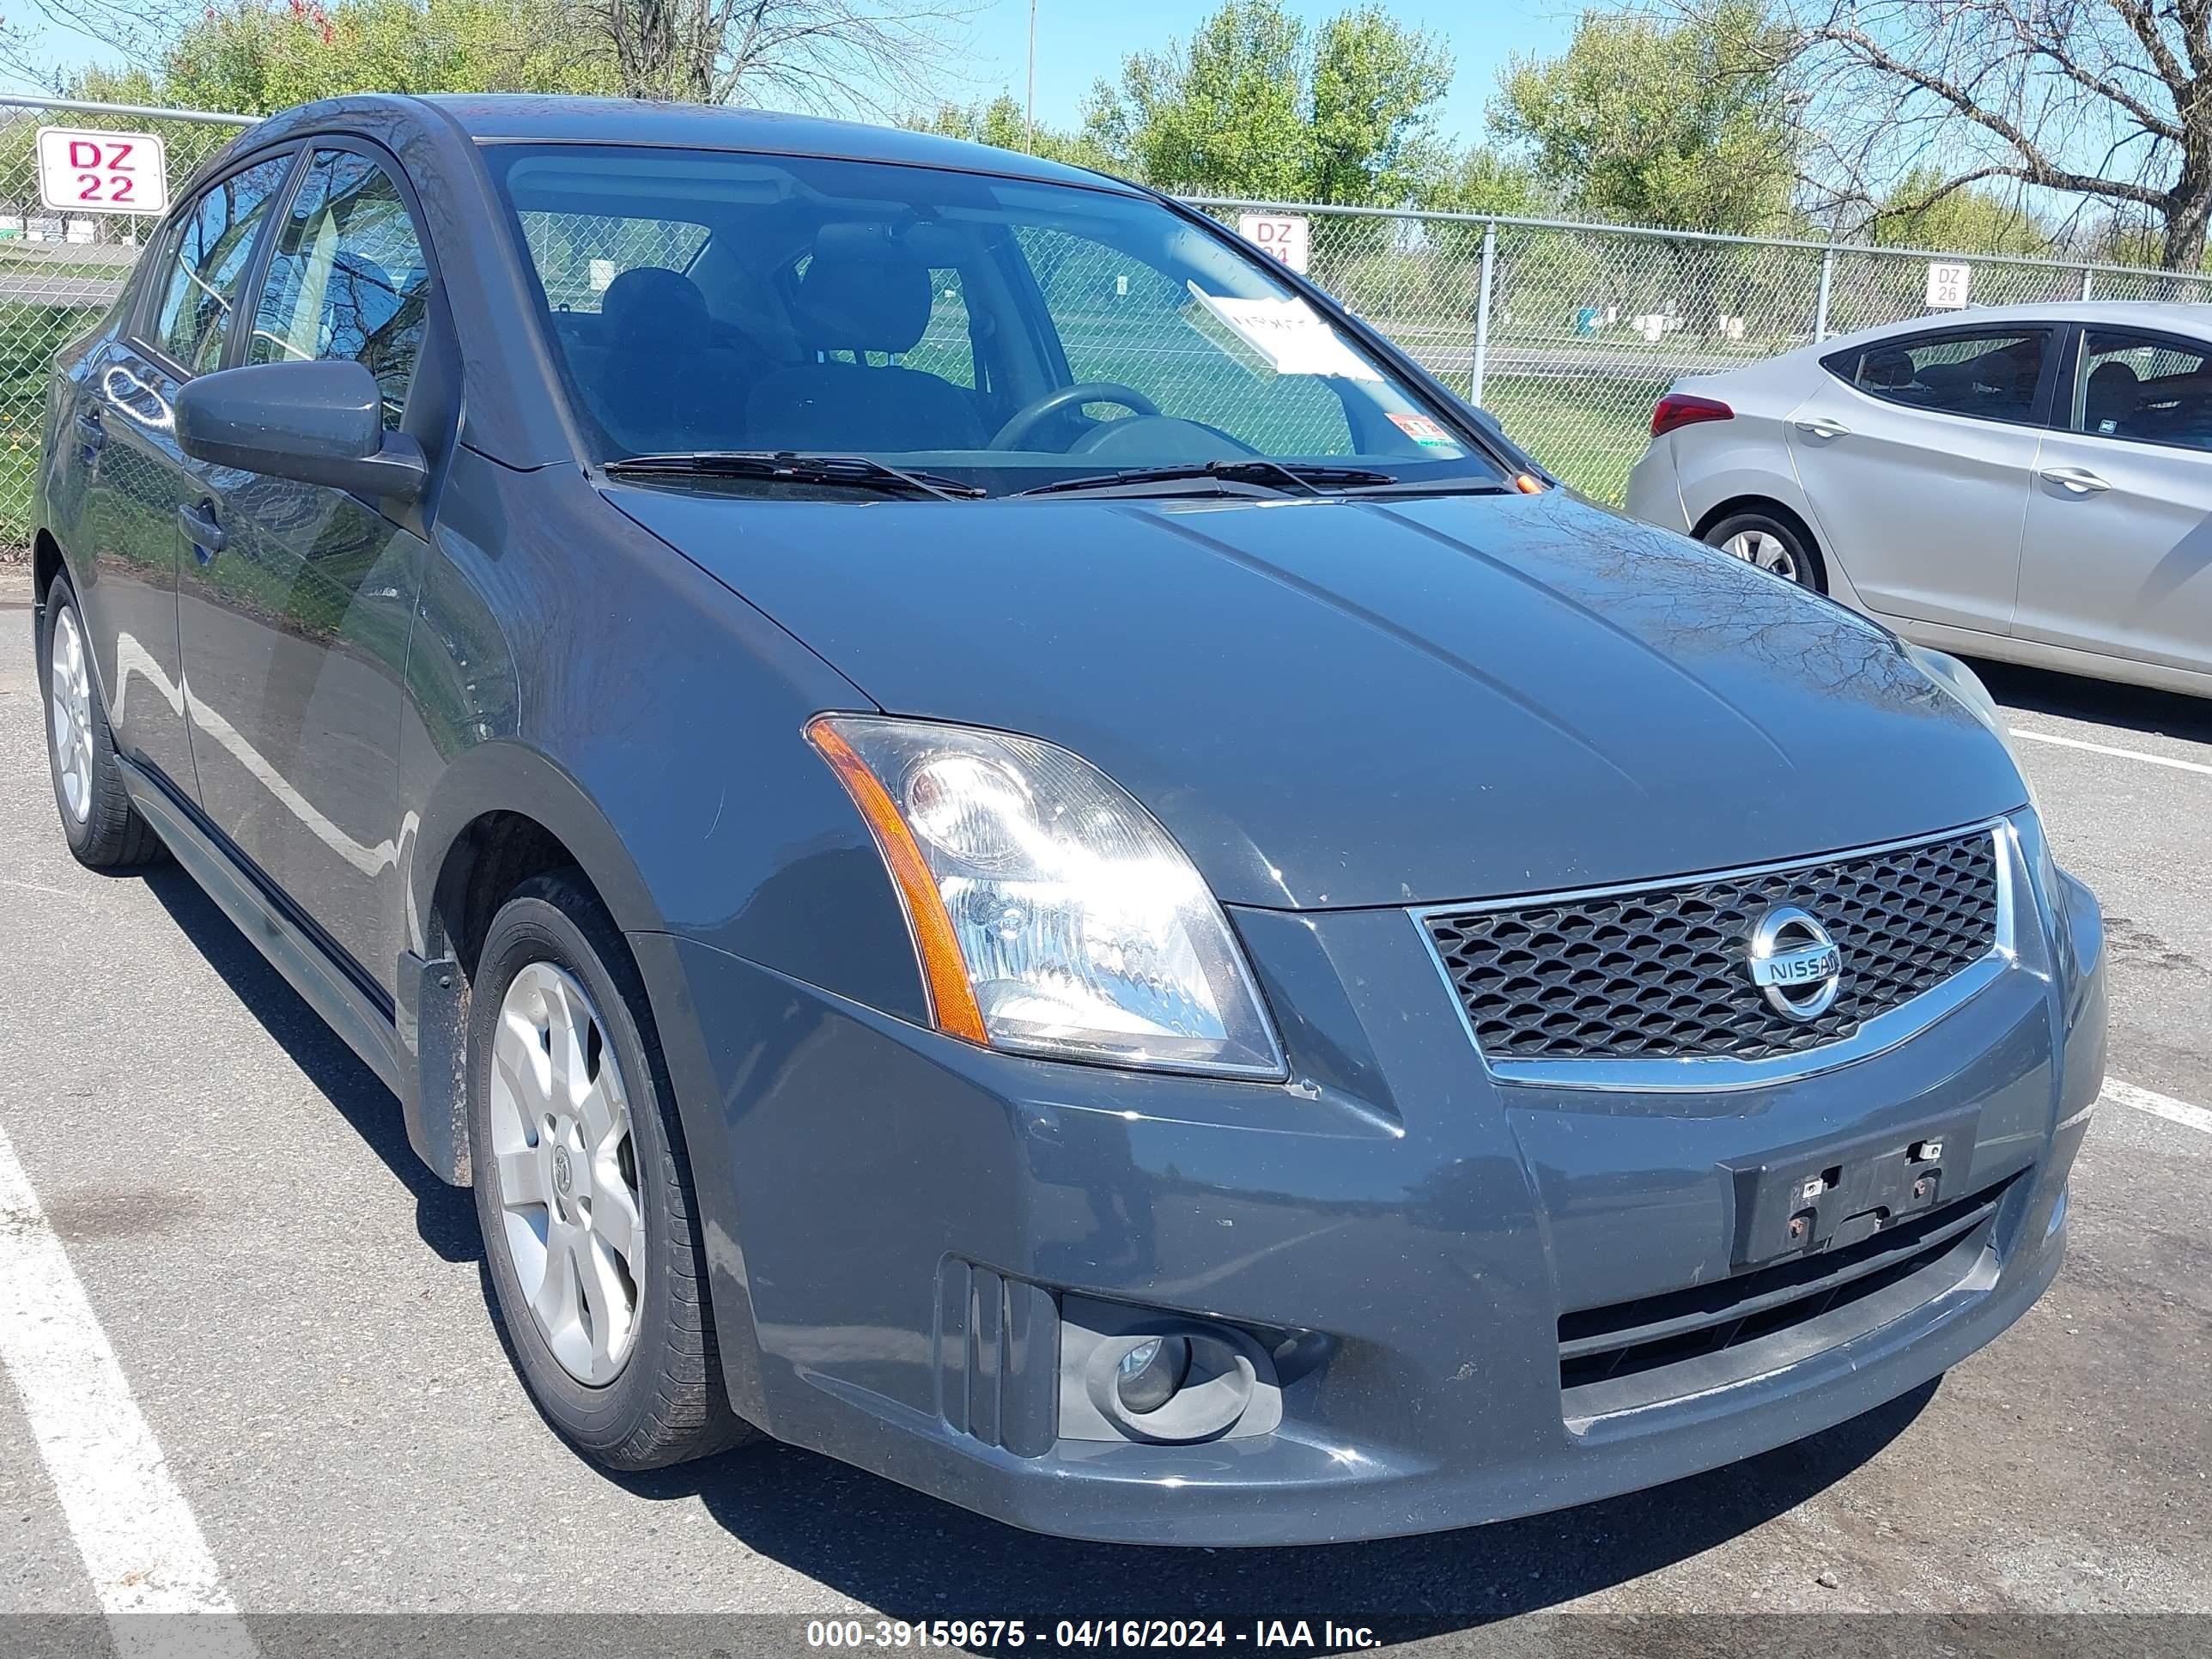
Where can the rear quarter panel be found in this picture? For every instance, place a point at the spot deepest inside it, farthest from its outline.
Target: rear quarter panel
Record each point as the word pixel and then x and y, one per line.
pixel 1748 458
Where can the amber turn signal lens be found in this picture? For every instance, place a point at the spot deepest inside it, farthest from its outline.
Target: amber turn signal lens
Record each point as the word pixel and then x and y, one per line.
pixel 1529 483
pixel 951 998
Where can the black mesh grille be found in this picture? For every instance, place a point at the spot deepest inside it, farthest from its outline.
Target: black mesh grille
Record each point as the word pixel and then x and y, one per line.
pixel 1660 973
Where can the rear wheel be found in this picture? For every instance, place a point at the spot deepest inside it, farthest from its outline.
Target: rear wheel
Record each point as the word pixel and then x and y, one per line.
pixel 583 1188
pixel 1771 542
pixel 103 828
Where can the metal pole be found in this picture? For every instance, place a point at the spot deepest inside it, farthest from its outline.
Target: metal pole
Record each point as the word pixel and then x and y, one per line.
pixel 1482 316
pixel 2087 275
pixel 1827 281
pixel 153 111
pixel 1031 145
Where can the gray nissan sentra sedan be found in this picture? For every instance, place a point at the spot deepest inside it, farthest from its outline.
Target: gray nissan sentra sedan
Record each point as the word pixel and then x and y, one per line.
pixel 1005 847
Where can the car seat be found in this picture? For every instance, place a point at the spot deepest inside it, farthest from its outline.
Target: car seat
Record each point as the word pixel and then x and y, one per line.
pixel 2109 402
pixel 665 377
pixel 861 305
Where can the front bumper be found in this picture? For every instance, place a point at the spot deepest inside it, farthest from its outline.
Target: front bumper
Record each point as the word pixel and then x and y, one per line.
pixel 894 1221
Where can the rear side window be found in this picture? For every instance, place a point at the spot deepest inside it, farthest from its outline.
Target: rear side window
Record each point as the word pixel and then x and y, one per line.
pixel 2154 391
pixel 207 262
pixel 1989 376
pixel 349 278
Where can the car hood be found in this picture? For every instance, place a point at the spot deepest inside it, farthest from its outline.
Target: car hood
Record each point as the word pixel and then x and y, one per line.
pixel 1332 703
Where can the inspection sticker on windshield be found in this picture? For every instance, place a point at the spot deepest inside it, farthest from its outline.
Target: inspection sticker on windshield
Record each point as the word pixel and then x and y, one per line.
pixel 1424 431
pixel 1289 334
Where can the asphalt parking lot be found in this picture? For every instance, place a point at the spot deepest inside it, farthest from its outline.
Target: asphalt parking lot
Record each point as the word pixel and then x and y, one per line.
pixel 299 1314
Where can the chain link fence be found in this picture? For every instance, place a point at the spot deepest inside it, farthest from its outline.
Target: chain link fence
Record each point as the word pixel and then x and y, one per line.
pixel 61 270
pixel 1567 332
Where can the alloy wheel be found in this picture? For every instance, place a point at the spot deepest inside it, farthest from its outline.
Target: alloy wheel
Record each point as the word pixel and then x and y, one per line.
pixel 70 694
pixel 1764 549
pixel 567 1175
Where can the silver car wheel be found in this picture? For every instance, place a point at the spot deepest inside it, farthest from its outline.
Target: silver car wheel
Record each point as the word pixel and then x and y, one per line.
pixel 1764 549
pixel 69 693
pixel 567 1175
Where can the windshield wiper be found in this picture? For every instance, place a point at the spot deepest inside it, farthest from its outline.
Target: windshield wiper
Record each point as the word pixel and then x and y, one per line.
pixel 787 466
pixel 1451 485
pixel 1258 470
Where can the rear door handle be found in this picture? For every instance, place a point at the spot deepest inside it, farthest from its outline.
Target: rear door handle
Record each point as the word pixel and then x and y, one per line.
pixel 1819 427
pixel 2078 479
pixel 207 537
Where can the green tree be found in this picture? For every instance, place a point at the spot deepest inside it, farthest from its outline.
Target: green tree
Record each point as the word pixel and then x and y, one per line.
pixel 1679 122
pixel 1478 179
pixel 1924 209
pixel 1374 91
pixel 254 57
pixel 1255 105
pixel 1003 122
pixel 1225 112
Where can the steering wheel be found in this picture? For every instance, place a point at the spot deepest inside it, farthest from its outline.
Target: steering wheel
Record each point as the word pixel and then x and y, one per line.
pixel 1034 414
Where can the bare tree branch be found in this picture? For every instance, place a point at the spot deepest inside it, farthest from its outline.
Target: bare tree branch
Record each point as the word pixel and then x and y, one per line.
pixel 2098 101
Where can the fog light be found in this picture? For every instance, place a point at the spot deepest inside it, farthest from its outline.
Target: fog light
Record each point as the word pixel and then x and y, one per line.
pixel 1148 1375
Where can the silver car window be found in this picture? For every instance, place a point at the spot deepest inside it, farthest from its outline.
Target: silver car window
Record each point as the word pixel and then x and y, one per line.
pixel 2149 389
pixel 1988 376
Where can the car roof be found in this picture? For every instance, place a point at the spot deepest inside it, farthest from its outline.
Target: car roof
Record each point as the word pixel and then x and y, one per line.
pixel 512 117
pixel 2156 314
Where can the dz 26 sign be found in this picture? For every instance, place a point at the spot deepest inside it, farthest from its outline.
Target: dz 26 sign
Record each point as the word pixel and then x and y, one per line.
pixel 102 172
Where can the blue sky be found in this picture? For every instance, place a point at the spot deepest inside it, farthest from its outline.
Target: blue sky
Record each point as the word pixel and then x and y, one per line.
pixel 1080 41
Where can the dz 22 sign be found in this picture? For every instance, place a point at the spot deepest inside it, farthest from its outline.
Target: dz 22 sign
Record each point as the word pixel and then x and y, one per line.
pixel 102 172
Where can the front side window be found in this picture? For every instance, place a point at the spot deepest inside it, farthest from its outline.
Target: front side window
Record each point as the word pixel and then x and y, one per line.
pixel 1003 332
pixel 1988 376
pixel 2153 390
pixel 349 278
pixel 207 262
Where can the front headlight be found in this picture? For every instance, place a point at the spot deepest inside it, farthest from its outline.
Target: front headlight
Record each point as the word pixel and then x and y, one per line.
pixel 1967 688
pixel 1052 914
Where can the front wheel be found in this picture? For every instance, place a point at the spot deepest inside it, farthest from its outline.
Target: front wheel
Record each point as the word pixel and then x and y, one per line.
pixel 1773 544
pixel 583 1189
pixel 103 828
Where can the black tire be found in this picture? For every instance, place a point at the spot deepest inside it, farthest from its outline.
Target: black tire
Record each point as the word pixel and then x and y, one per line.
pixel 1805 567
pixel 665 1404
pixel 110 835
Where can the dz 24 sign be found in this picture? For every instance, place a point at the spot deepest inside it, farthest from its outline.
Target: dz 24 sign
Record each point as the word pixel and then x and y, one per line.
pixel 102 172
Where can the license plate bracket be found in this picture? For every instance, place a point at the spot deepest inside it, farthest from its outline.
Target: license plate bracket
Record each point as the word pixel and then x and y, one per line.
pixel 1835 1196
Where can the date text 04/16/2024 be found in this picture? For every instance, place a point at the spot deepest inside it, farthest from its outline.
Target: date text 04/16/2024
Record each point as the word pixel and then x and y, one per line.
pixel 986 1634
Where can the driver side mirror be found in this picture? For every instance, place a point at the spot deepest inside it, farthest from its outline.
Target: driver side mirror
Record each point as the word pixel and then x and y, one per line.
pixel 321 422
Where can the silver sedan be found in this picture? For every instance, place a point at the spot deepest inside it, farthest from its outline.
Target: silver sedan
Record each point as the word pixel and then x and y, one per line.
pixel 2030 484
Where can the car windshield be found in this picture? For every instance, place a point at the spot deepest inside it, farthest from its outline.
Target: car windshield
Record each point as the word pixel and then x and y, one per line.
pixel 995 333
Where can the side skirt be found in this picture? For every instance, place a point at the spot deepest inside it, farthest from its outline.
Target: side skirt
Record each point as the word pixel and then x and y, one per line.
pixel 305 964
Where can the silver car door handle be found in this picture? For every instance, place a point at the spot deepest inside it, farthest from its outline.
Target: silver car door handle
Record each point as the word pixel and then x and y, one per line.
pixel 1819 427
pixel 2078 479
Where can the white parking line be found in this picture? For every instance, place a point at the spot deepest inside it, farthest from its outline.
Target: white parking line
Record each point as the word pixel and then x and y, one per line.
pixel 2108 748
pixel 2158 1105
pixel 141 1548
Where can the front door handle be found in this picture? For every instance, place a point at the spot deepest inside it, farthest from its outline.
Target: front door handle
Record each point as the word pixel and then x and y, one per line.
pixel 207 537
pixel 1820 427
pixel 2079 480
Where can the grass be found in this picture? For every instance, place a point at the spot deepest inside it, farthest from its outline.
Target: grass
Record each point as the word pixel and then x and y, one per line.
pixel 1589 433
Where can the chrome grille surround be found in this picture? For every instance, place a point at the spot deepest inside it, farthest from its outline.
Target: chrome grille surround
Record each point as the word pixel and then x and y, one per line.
pixel 1858 1028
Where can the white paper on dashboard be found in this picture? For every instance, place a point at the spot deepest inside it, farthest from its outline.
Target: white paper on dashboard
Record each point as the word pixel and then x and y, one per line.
pixel 1289 334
